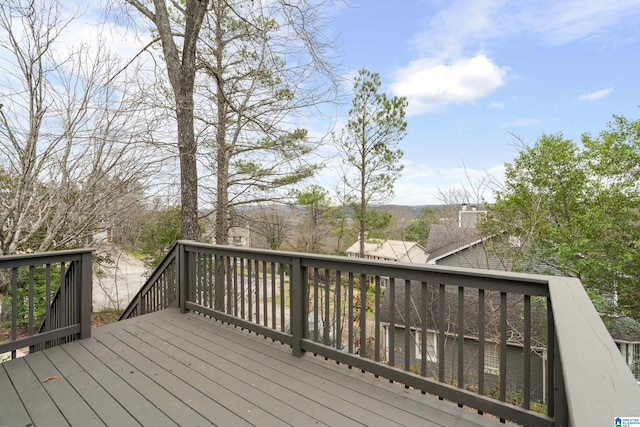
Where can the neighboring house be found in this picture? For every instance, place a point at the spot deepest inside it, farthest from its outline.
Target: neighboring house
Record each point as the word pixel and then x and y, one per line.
pixel 103 232
pixel 457 246
pixel 625 331
pixel 422 329
pixel 465 246
pixel 390 250
pixel 461 246
pixel 239 236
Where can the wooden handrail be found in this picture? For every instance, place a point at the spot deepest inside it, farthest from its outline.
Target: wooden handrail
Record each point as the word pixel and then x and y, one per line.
pixel 151 283
pixel 68 308
pixel 599 385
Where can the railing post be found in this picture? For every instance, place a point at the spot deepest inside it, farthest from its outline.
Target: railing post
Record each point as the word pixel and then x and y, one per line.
pixel 219 286
pixel 141 310
pixel 86 290
pixel 298 305
pixel 181 269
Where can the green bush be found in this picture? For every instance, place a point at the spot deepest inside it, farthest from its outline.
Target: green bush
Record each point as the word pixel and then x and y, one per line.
pixel 39 294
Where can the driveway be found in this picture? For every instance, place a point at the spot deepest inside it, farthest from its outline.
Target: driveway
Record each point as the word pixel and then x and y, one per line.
pixel 115 284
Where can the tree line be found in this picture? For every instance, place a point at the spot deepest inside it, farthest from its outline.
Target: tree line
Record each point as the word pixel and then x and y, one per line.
pixel 574 209
pixel 232 83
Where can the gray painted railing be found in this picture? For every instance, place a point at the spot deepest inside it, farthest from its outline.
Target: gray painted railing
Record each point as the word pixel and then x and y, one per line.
pixel 50 298
pixel 160 290
pixel 315 303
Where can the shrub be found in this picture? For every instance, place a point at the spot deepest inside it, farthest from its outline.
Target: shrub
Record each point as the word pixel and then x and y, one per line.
pixel 39 294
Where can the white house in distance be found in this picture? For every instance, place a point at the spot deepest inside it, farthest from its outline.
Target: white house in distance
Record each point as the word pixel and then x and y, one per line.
pixel 390 250
pixel 239 236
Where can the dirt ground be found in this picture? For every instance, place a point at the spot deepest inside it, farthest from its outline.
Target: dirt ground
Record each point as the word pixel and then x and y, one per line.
pixel 104 317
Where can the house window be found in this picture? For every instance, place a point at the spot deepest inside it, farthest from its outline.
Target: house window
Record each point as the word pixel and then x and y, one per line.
pixel 491 358
pixel 631 355
pixel 432 346
pixel 384 282
pixel 635 365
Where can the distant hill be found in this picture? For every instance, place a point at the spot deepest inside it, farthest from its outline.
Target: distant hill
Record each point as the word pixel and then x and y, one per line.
pixel 404 213
pixel 400 211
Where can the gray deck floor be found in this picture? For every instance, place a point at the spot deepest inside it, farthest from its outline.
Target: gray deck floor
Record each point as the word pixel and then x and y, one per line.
pixel 168 368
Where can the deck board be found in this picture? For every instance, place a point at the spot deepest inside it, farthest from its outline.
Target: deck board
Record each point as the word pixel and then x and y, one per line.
pixel 148 382
pixel 345 383
pixel 129 398
pixel 70 403
pixel 333 395
pixel 40 408
pixel 12 411
pixel 292 395
pixel 169 368
pixel 105 406
pixel 137 354
pixel 220 385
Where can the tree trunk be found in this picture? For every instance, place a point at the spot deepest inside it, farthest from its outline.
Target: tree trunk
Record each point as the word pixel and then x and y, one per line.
pixel 363 193
pixel 222 163
pixel 181 70
pixel 187 149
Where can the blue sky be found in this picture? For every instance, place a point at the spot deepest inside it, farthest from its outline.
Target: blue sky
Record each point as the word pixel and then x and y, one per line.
pixel 477 72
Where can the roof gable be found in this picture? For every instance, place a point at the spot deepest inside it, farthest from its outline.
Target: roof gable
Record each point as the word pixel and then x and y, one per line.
pixel 394 250
pixel 445 240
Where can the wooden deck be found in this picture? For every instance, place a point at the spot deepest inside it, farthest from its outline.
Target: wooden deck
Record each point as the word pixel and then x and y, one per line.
pixel 169 368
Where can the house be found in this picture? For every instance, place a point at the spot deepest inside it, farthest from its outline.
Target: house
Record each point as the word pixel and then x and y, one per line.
pixel 239 236
pixel 390 250
pixel 103 232
pixel 448 352
pixel 459 246
pixel 236 235
pixel 625 331
pixel 465 246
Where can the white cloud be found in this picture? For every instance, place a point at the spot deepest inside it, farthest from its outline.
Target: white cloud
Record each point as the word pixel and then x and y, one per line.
pixel 428 83
pixel 568 21
pixel 592 96
pixel 458 26
pixel 451 66
pixel 461 25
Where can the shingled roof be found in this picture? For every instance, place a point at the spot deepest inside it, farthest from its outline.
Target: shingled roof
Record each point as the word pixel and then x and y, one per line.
pixel 446 239
pixel 623 328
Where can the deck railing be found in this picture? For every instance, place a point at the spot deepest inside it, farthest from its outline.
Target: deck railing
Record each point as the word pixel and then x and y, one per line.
pixel 449 332
pixel 49 300
pixel 160 290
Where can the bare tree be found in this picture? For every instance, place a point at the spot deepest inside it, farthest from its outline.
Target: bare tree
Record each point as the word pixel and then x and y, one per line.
pixel 69 132
pixel 470 193
pixel 252 67
pixel 260 60
pixel 268 221
pixel 179 39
